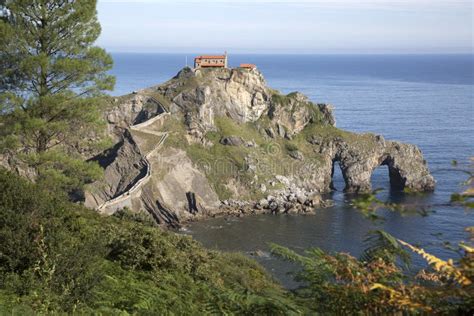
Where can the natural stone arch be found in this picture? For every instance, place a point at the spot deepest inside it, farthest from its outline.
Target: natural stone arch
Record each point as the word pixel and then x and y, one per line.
pixel 397 181
pixel 336 163
pixel 406 166
pixel 358 175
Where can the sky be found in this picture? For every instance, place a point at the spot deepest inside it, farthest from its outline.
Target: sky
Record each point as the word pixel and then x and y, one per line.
pixel 287 26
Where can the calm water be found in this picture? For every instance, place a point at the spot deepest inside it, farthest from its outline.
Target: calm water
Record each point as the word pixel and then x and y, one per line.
pixel 425 100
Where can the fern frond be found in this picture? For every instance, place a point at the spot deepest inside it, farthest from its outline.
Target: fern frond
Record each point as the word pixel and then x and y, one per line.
pixel 467 248
pixel 400 299
pixel 288 254
pixel 439 265
pixel 381 244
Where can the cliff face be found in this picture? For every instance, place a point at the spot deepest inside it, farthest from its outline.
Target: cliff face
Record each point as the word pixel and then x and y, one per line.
pixel 220 92
pixel 219 141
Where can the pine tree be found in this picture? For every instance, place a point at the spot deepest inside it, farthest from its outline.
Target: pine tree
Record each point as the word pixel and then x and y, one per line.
pixel 52 80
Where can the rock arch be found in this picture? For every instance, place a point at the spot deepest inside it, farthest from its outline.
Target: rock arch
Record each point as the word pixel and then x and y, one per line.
pixel 406 167
pixel 336 163
pixel 397 181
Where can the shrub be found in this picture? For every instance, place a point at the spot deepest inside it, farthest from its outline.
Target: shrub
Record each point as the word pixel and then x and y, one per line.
pixel 59 257
pixel 291 147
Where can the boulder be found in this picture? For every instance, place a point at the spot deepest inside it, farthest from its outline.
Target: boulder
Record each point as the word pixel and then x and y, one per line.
pixel 270 132
pixel 296 154
pixel 232 141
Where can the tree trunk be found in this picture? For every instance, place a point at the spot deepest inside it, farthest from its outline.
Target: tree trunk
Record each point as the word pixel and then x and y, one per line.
pixel 42 143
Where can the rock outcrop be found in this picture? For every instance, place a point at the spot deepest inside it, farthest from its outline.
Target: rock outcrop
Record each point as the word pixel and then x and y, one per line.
pixel 219 141
pixel 123 166
pixel 406 166
pixel 232 141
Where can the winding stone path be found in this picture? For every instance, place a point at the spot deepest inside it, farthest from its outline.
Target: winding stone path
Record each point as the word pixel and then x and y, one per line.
pixel 120 200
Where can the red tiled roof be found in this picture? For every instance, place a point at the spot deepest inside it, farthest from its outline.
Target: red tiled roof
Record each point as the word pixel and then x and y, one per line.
pixel 211 57
pixel 248 66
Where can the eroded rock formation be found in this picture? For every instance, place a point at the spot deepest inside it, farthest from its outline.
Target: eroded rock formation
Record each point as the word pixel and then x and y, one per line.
pixel 407 168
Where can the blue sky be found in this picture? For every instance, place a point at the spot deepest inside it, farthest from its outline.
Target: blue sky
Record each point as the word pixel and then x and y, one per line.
pixel 285 26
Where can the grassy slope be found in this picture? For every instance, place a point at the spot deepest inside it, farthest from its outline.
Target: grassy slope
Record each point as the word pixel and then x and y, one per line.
pixel 271 156
pixel 58 256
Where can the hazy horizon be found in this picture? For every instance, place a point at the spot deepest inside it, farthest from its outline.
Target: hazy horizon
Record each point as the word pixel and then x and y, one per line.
pixel 287 27
pixel 290 53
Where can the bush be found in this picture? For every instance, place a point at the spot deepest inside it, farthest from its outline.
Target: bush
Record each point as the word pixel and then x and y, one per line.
pixel 291 147
pixel 56 256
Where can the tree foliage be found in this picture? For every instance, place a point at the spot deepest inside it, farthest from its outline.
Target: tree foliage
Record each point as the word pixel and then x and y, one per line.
pixel 51 82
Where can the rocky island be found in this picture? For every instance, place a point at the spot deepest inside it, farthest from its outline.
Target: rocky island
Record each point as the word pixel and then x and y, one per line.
pixel 219 141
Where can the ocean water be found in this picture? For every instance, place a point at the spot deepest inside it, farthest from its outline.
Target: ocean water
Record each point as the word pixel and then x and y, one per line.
pixel 427 100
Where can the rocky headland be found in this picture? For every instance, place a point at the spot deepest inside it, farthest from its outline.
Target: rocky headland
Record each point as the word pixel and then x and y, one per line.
pixel 219 141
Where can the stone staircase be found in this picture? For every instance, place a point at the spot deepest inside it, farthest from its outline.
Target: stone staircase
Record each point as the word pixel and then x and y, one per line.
pixel 125 199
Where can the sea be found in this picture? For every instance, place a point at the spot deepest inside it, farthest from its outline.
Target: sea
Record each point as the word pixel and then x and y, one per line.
pixel 426 100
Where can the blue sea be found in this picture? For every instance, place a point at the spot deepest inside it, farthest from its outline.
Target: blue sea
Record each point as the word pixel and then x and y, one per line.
pixel 427 100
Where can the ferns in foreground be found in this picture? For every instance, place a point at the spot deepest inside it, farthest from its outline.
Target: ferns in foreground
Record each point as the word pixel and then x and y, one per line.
pixel 380 281
pixel 340 283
